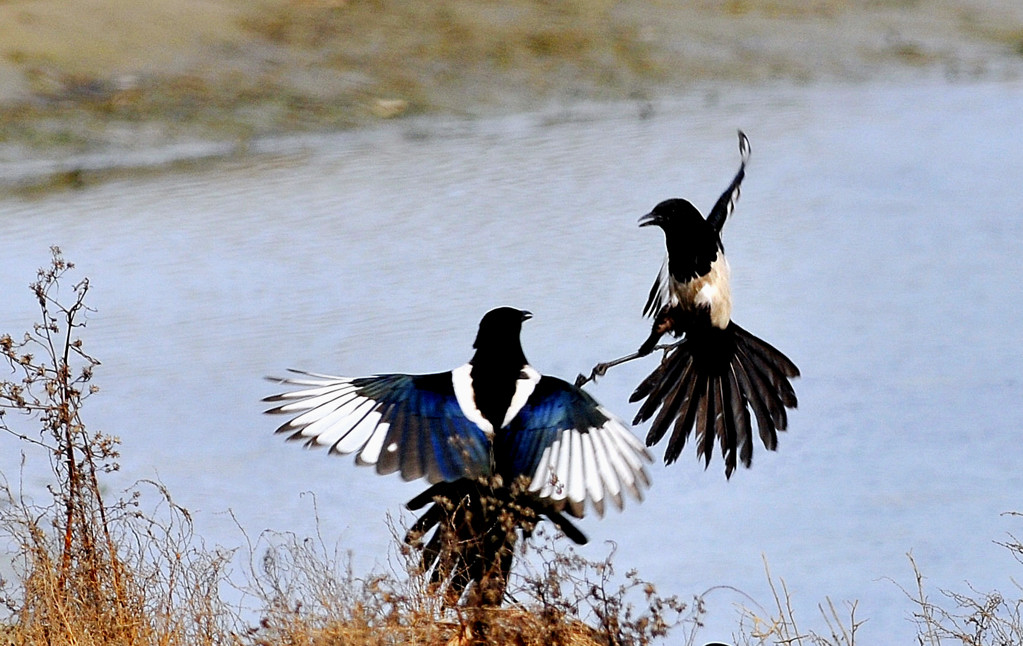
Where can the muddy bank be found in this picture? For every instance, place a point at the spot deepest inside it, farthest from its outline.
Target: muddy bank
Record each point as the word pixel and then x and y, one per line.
pixel 116 76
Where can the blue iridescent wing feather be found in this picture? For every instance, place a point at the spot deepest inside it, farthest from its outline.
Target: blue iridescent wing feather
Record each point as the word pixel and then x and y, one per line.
pixel 411 424
pixel 572 449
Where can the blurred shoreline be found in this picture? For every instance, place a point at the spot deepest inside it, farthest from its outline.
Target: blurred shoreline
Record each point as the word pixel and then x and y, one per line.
pixel 108 84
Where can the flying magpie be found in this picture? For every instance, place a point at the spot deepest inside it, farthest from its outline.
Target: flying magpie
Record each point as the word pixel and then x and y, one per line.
pixel 501 445
pixel 711 378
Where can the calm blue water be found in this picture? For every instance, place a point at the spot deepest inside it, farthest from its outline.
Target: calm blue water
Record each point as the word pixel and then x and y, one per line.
pixel 877 242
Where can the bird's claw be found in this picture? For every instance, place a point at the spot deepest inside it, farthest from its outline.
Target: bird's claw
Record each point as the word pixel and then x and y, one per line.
pixel 599 370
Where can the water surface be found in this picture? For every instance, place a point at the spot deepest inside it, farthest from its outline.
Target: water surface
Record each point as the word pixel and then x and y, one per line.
pixel 877 242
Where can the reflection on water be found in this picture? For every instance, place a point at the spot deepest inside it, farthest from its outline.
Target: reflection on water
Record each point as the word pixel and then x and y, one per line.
pixel 877 243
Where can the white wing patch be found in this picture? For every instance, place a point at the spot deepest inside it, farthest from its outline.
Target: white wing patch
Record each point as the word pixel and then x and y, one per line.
pixel 595 465
pixel 461 380
pixel 523 389
pixel 371 451
pixel 661 292
pixel 333 414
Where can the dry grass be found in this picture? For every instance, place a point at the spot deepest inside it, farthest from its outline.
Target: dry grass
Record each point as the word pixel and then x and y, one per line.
pixel 308 594
pixel 779 625
pixel 970 618
pixel 91 571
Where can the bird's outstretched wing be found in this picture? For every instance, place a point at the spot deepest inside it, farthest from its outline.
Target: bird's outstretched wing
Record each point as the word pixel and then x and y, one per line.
pixel 726 203
pixel 406 423
pixel 573 449
pixel 660 291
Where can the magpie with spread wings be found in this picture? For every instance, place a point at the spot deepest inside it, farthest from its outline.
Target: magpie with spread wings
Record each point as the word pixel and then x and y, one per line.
pixel 501 445
pixel 710 380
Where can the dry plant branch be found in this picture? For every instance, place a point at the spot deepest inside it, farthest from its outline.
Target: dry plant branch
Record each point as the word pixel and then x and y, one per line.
pixel 780 627
pixel 91 571
pixel 55 381
pixel 975 619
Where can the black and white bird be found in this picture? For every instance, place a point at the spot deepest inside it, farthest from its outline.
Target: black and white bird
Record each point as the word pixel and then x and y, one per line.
pixel 717 372
pixel 501 444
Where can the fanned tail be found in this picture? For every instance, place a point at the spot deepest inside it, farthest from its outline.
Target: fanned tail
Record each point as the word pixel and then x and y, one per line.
pixel 476 525
pixel 710 382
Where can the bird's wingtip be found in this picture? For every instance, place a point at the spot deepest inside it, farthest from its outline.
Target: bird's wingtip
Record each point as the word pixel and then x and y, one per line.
pixel 744 147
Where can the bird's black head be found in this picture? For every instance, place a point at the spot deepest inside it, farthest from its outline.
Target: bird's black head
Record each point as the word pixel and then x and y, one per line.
pixel 500 327
pixel 674 215
pixel 691 241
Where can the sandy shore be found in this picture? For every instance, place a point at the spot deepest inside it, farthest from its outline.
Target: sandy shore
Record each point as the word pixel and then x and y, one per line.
pixel 112 75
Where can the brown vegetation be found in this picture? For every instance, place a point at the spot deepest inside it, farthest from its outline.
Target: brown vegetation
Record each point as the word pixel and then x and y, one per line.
pixel 90 571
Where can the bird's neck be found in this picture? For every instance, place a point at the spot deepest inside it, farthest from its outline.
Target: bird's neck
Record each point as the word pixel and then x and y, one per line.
pixel 498 362
pixel 495 373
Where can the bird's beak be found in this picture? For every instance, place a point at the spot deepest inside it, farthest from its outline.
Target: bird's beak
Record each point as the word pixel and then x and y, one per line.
pixel 648 219
pixel 526 315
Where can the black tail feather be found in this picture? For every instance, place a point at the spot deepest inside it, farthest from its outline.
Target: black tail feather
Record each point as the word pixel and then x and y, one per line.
pixel 762 387
pixel 740 418
pixel 676 399
pixel 684 422
pixel 426 522
pixel 730 432
pixel 704 422
pixel 755 399
pixel 659 385
pixel 709 383
pixel 566 526
pixel 442 489
pixel 772 355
